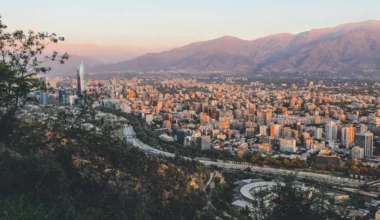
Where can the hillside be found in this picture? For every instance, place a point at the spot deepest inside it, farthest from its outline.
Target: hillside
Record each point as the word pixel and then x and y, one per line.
pixel 51 172
pixel 348 47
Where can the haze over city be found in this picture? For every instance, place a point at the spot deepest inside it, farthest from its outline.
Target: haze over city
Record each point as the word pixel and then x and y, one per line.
pixel 125 29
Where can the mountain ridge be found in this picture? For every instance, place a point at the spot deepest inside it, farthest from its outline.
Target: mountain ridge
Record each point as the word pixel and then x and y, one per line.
pixel 346 47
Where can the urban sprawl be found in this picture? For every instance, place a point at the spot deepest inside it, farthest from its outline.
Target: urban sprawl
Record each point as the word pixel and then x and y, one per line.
pixel 317 127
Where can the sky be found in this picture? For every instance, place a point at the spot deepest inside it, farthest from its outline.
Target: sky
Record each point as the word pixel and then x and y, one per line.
pixel 142 25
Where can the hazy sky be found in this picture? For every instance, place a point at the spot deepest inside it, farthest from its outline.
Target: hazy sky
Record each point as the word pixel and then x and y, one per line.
pixel 170 23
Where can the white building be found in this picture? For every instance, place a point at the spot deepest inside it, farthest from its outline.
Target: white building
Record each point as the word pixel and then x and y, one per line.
pixel 318 133
pixel 263 130
pixel 289 149
pixel 205 143
pixel 288 145
pixel 148 118
pixel 331 131
pixel 318 146
pixel 357 152
pixel 72 99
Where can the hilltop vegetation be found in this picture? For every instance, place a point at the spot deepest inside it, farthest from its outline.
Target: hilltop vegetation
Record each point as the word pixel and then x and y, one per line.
pixel 61 163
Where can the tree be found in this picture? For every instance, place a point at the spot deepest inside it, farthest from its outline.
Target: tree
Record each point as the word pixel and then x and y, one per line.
pixel 70 163
pixel 293 202
pixel 21 59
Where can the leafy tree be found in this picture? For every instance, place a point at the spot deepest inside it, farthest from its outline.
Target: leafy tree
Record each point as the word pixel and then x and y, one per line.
pixel 21 56
pixel 293 202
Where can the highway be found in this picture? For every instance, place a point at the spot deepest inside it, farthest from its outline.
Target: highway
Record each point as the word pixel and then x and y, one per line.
pixel 130 137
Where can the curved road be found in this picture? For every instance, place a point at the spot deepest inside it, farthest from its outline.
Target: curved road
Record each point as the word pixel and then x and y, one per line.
pixel 130 137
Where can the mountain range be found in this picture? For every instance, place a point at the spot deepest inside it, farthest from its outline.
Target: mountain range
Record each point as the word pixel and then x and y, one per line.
pixel 347 47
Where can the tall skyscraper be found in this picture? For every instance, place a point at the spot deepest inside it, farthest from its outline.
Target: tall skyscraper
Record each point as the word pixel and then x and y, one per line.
pixel 365 141
pixel 331 130
pixel 81 79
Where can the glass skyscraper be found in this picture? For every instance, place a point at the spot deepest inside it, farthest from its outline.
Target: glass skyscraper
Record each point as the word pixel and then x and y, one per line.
pixel 365 141
pixel 81 80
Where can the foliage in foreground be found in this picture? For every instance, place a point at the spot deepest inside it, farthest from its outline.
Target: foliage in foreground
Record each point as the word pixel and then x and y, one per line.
pixel 58 165
pixel 64 163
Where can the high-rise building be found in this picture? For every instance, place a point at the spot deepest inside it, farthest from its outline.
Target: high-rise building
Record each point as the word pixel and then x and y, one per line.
pixel 44 98
pixel 62 96
pixel 250 132
pixel 44 83
pixel 288 145
pixel 263 130
pixel 308 142
pixel 318 133
pixel 365 141
pixel 264 117
pixel 331 130
pixel 287 132
pixel 212 112
pixel 373 124
pixel 348 135
pixel 81 80
pixel 275 130
pixel 205 142
pixel 357 152
pixel 182 134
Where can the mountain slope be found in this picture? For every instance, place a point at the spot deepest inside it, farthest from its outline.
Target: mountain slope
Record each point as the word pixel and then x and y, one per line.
pixel 346 47
pixel 70 65
pixel 354 46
